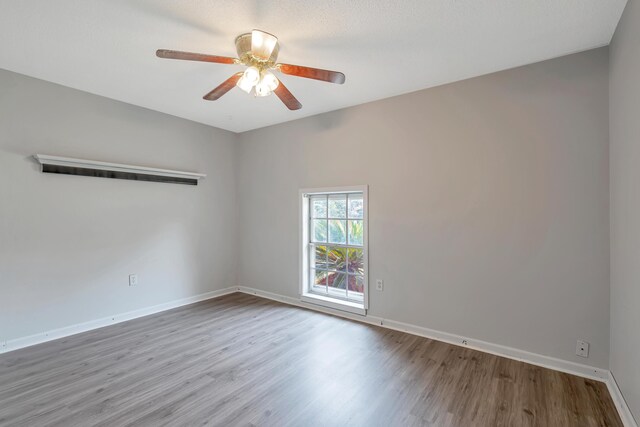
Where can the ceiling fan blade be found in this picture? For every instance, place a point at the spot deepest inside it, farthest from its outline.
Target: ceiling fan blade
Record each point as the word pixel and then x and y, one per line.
pixel 189 56
pixel 224 87
pixel 287 97
pixel 312 73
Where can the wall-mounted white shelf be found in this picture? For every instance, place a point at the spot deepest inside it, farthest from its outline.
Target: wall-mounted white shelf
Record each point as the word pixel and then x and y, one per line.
pixel 71 166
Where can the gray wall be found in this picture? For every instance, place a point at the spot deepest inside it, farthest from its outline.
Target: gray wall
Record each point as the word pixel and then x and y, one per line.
pixel 68 244
pixel 488 205
pixel 625 205
pixel 488 209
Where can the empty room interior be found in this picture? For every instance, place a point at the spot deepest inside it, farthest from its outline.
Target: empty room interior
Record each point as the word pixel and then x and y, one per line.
pixel 320 213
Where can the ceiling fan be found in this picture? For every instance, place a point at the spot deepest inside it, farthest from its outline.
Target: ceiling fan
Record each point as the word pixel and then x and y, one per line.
pixel 258 51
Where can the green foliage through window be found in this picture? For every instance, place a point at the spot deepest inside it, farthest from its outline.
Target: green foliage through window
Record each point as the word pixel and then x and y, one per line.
pixel 337 236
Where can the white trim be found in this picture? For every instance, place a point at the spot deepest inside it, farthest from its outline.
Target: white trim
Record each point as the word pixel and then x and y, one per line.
pixel 299 303
pixel 303 251
pixel 499 350
pixel 621 404
pixel 354 307
pixel 335 190
pixel 117 167
pixel 15 344
pixel 550 362
pixel 561 365
pixel 334 303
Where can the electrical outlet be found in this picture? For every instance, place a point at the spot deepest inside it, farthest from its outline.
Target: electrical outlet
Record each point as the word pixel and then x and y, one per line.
pixel 380 285
pixel 582 348
pixel 133 279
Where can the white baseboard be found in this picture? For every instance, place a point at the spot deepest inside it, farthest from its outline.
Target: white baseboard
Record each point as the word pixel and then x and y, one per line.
pixel 561 365
pixel 15 344
pixel 569 367
pixel 620 402
pixel 499 350
pixel 566 366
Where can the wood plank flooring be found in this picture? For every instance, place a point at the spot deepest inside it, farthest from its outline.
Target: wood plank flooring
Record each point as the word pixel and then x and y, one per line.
pixel 240 360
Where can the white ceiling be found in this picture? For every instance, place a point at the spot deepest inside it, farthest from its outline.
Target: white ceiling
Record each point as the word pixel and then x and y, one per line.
pixel 384 47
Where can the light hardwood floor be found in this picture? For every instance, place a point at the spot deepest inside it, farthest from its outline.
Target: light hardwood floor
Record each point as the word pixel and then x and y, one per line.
pixel 243 360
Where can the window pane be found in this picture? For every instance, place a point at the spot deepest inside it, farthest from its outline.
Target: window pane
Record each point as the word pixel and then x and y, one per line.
pixel 337 258
pixel 338 206
pixel 337 284
pixel 356 232
pixel 356 261
pixel 356 206
pixel 319 230
pixel 319 257
pixel 356 284
pixel 318 280
pixel 319 206
pixel 337 231
pixel 356 288
pixel 336 245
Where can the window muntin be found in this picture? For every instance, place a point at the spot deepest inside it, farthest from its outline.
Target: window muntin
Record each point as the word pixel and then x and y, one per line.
pixel 336 245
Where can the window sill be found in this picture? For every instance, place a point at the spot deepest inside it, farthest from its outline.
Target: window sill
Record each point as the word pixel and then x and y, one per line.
pixel 334 303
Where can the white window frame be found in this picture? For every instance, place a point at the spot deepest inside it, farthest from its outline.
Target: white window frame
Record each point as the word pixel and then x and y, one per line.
pixel 313 298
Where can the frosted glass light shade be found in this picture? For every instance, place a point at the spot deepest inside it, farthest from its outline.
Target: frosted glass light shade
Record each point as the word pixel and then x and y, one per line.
pixel 262 44
pixel 270 81
pixel 262 90
pixel 252 75
pixel 244 84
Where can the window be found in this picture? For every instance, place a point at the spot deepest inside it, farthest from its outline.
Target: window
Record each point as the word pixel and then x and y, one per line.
pixel 334 248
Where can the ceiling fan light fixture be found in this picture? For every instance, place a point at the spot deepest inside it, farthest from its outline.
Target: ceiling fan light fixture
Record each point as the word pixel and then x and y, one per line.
pixel 245 84
pixel 262 44
pixel 252 75
pixel 270 81
pixel 258 51
pixel 262 90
